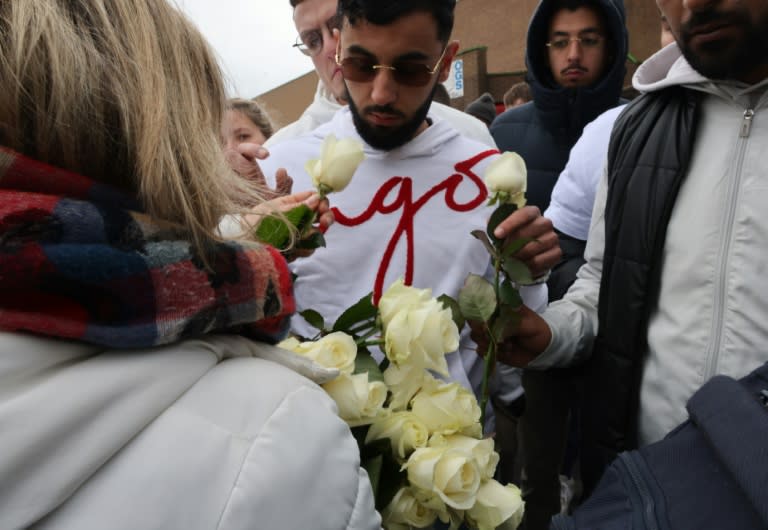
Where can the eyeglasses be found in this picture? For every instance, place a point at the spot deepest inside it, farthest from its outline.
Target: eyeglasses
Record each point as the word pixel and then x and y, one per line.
pixel 408 73
pixel 311 42
pixel 588 42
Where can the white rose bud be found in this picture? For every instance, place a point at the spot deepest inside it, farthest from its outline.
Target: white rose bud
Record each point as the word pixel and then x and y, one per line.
pixel 360 402
pixel 448 409
pixel 496 506
pixel 404 430
pixel 482 451
pixel 398 297
pixel 422 335
pixel 335 350
pixel 404 382
pixel 338 162
pixel 507 178
pixel 405 509
pixel 450 473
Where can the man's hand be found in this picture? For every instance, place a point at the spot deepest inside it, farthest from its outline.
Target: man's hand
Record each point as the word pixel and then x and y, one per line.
pixel 530 339
pixel 539 255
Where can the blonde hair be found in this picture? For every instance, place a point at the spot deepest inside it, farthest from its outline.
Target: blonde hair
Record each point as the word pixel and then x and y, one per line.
pixel 123 91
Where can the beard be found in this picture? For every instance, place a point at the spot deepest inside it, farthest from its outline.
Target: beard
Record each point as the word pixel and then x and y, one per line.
pixel 732 58
pixel 388 138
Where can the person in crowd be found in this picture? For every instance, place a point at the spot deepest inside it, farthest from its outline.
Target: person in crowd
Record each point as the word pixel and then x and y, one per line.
pixel 575 55
pixel 316 21
pixel 573 197
pixel 245 120
pixel 414 200
pixel 483 108
pixel 518 94
pixel 670 293
pixel 245 128
pixel 570 211
pixel 137 390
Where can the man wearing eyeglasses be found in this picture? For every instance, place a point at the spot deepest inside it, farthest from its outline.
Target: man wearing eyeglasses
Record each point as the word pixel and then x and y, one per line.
pixel 315 21
pixel 411 207
pixel 575 56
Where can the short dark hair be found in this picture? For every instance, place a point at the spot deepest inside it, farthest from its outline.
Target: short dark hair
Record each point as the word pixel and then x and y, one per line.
pixel 519 90
pixel 294 3
pixel 572 5
pixel 382 12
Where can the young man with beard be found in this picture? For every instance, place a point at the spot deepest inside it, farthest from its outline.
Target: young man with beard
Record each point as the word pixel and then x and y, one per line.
pixel 315 22
pixel 673 291
pixel 409 210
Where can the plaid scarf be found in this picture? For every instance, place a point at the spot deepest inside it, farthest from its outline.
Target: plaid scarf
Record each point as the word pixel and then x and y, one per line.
pixel 79 260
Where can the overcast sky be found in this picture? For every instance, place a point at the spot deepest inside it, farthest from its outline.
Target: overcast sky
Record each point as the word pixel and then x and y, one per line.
pixel 253 40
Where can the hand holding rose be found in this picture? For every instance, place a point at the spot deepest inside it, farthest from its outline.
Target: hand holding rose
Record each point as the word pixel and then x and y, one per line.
pixel 506 178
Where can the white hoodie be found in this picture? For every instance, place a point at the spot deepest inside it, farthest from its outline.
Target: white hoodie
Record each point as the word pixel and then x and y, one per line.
pixel 712 312
pixel 418 190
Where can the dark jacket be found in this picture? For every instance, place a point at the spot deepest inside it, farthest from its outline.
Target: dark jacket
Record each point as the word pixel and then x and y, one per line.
pixel 544 130
pixel 645 172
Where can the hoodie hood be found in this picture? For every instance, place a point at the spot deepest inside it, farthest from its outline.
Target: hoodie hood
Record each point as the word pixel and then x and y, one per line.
pixel 572 108
pixel 667 67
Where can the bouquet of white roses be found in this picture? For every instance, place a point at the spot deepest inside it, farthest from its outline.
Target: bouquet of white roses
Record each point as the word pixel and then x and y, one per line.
pixel 420 437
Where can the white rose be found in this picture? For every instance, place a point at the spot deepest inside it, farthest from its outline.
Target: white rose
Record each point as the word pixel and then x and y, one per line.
pixel 448 409
pixel 404 430
pixel 507 178
pixel 290 344
pixel 405 509
pixel 496 506
pixel 338 162
pixel 450 473
pixel 421 335
pixel 360 402
pixel 398 297
pixel 404 382
pixel 482 450
pixel 335 350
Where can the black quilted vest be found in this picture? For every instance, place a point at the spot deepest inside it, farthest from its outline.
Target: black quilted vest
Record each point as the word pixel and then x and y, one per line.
pixel 648 156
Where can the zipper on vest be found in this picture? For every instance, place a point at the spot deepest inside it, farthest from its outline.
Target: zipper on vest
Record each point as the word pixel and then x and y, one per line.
pixel 746 123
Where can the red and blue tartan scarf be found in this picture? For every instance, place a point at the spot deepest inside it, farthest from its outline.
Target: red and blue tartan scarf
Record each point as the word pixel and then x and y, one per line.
pixel 79 260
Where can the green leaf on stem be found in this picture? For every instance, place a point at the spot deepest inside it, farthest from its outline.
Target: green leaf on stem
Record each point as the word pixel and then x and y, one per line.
pixel 451 303
pixel 506 323
pixel 498 215
pixel 274 231
pixel 313 318
pixel 364 362
pixel 477 298
pixel 359 312
pixel 483 237
pixel 508 295
pixel 517 271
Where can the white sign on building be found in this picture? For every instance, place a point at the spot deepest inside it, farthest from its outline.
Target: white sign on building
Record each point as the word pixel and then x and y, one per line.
pixel 455 81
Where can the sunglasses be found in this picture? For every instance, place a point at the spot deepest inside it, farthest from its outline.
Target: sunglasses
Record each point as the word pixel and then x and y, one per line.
pixel 408 73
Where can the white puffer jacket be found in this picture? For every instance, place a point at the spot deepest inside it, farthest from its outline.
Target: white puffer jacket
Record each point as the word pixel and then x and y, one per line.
pixel 197 435
pixel 712 312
